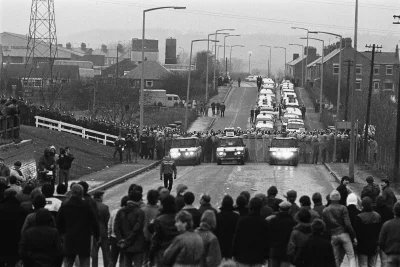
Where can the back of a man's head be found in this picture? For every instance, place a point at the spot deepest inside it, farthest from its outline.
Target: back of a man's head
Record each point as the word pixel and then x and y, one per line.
pixel 188 198
pixel 61 189
pixel 206 198
pixel 124 201
pixel 318 227
pixel 12 180
pixel 135 196
pixel 47 190
pixel 317 198
pixel 77 191
pixel 152 197
pixel 305 201
pixel 255 204
pixel 39 202
pixel 85 187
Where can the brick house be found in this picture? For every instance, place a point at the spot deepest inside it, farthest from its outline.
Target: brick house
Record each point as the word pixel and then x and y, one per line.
pixel 154 75
pixel 293 68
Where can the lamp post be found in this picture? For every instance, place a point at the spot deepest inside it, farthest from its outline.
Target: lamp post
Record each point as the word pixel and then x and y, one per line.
pixel 142 78
pixel 230 56
pixel 285 57
pixel 188 86
pixel 226 65
pixel 270 60
pixel 216 33
pixel 302 65
pixel 250 52
pixel 305 73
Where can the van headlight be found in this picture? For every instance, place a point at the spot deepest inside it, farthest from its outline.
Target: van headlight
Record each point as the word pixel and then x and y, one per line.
pixel 221 153
pixel 175 154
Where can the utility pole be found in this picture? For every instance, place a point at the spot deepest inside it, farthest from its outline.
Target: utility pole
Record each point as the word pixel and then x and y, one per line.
pixel 348 89
pixel 396 171
pixel 366 130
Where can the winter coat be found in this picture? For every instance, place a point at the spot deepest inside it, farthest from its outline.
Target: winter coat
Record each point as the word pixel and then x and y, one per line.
pixel 294 209
pixel 367 227
pixel 319 208
pixel 313 213
pixel 179 202
pixel 298 238
pixel 389 237
pixel 227 220
pixel 274 202
pixel 76 223
pixel 164 232
pixel 280 227
pixel 243 211
pixel 65 161
pixel 45 161
pixel 128 226
pixel 389 196
pixel 252 250
pixel 316 252
pixel 343 194
pixel 41 246
pixel 104 217
pixel 185 250
pixel 207 206
pixel 212 252
pixel 12 217
pixel 150 212
pixel 353 212
pixel 337 220
pixel 385 212
pixel 196 215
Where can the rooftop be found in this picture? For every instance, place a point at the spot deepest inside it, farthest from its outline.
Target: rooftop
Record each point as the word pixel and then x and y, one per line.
pixel 382 57
pixel 152 71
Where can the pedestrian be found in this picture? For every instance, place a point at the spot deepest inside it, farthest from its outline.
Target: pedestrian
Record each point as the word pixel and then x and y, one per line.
pixel 241 207
pixel 103 242
pixel 371 190
pixel 167 171
pixel 317 200
pixel 25 194
pixel 305 203
pixel 252 115
pixel 315 148
pixel 164 231
pixel 144 152
pixel 251 251
pixel 383 210
pixel 41 244
pixel 265 209
pixel 239 81
pixel 213 107
pixel 367 227
pixel 218 106
pixel 151 210
pixel 352 203
pixel 180 191
pixel 211 251
pixel 12 217
pixel 76 223
pixel 150 145
pixel 389 238
pixel 205 204
pixel 115 249
pixel 273 201
pixel 317 250
pixel 299 236
pixel 65 163
pixel 135 147
pixel 16 171
pixel 303 112
pixel 343 190
pixel 160 144
pixel 227 220
pixel 387 193
pixel 188 198
pixel 336 218
pixel 291 197
pixel 46 167
pixel 187 248
pixel 119 147
pixel 128 147
pixel 128 228
pixel 373 148
pixel 222 107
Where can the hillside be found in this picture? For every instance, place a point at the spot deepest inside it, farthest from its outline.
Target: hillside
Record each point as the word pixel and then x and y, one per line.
pixel 89 155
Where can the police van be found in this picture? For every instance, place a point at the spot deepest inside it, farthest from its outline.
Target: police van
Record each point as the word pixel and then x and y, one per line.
pixel 186 150
pixel 284 150
pixel 231 148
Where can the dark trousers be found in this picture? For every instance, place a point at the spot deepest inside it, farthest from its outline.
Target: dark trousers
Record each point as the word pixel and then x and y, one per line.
pixel 168 181
pixel 104 244
pixel 222 113
pixel 63 176
pixel 133 259
pixel 160 153
pixel 120 154
pixel 115 252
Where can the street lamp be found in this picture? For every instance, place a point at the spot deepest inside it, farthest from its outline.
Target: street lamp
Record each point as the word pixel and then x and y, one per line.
pixel 285 57
pixel 270 60
pixel 142 78
pixel 188 86
pixel 302 65
pixel 299 28
pixel 230 56
pixel 226 65
pixel 215 52
pixel 219 46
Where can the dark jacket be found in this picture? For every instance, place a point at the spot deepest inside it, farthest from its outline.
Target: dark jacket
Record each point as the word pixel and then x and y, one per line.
pixel 274 202
pixel 316 252
pixel 353 212
pixel 41 246
pixel 318 207
pixel 298 238
pixel 12 217
pixel 76 222
pixel 45 161
pixel 104 216
pixel 389 237
pixel 280 227
pixel 385 212
pixel 207 206
pixel 212 252
pixel 343 194
pixel 186 249
pixel 65 161
pixel 367 227
pixel 227 220
pixel 164 232
pixel 243 211
pixel 196 215
pixel 389 196
pixel 179 202
pixel 128 226
pixel 337 220
pixel 252 250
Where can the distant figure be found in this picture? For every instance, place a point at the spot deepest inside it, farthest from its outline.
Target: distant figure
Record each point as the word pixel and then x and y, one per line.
pixel 239 81
pixel 222 108
pixel 218 105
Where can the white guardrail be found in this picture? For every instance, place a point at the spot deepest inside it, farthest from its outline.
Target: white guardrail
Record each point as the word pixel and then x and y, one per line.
pixel 74 129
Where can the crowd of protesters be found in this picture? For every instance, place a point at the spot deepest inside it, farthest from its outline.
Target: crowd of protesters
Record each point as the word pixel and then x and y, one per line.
pixel 41 227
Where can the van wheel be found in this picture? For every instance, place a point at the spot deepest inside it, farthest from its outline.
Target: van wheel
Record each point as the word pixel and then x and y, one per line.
pixel 219 162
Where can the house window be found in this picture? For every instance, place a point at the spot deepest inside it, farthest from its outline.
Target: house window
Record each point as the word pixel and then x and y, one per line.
pixel 149 83
pixel 388 86
pixel 376 84
pixel 359 69
pixel 389 70
pixel 358 84
pixel 335 68
pixel 376 69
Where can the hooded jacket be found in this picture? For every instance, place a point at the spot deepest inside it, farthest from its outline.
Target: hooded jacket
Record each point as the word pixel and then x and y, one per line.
pixel 164 232
pixel 46 160
pixel 212 252
pixel 227 220
pixel 368 225
pixel 298 238
pixel 280 227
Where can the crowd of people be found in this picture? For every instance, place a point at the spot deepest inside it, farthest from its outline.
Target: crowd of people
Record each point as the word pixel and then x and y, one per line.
pixel 41 227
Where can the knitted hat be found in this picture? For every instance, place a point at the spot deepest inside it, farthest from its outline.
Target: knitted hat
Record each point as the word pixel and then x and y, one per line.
pixel 334 196
pixel 351 199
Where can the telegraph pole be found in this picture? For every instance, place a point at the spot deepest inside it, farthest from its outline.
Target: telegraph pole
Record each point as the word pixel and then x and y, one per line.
pixel 366 130
pixel 348 89
pixel 396 171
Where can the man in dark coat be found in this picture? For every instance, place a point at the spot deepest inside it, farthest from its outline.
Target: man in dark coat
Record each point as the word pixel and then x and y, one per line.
pixel 213 107
pixel 128 228
pixel 227 220
pixel 119 145
pixel 12 217
pixel 280 226
pixel 64 162
pixel 188 198
pixel 342 188
pixel 222 107
pixel 205 204
pixel 76 223
pixel 254 250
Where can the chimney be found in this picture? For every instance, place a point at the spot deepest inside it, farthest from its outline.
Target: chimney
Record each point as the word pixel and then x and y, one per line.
pixel 312 51
pixel 83 46
pixel 68 45
pixel 104 48
pixel 295 56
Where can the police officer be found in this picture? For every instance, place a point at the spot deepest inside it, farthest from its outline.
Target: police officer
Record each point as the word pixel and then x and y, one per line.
pixel 167 169
pixel 252 115
pixel 315 146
